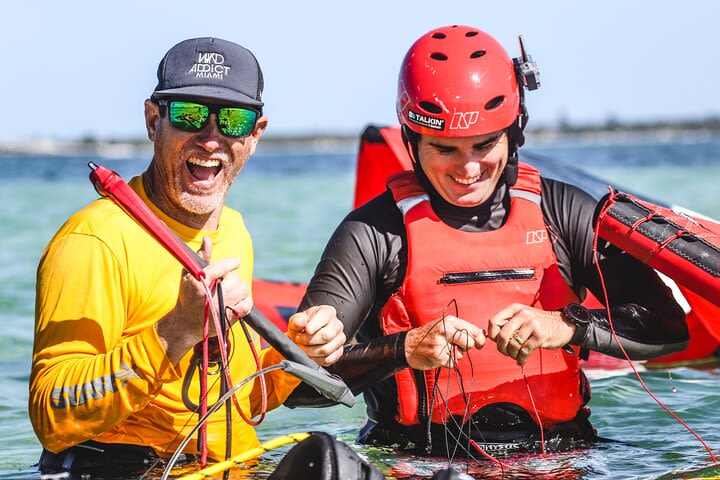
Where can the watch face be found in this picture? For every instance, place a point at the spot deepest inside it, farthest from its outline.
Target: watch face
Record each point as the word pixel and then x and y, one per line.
pixel 578 313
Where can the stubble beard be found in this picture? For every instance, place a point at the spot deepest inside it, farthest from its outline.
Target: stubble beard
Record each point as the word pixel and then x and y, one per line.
pixel 198 202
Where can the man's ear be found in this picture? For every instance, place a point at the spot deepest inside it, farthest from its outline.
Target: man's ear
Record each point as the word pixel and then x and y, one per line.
pixel 260 127
pixel 152 119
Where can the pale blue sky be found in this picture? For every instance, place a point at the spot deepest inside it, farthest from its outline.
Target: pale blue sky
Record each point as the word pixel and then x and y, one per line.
pixel 84 67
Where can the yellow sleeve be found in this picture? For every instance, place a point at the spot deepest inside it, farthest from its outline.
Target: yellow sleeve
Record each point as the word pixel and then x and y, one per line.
pixel 88 373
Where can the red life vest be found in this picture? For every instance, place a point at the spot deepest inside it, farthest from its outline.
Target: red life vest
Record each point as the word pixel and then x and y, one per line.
pixel 482 272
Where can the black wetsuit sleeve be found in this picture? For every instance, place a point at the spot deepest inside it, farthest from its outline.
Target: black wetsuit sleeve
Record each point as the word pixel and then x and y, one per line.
pixel 359 269
pixel 360 266
pixel 361 366
pixel 646 318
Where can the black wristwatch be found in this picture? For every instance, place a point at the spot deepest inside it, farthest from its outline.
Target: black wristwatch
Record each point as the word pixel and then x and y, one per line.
pixel 580 317
pixel 577 314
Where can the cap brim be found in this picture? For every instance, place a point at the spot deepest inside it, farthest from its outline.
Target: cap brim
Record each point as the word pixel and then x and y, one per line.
pixel 209 93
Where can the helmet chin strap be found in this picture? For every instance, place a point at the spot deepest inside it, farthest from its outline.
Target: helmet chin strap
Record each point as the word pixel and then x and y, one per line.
pixel 410 141
pixel 511 170
pixel 516 139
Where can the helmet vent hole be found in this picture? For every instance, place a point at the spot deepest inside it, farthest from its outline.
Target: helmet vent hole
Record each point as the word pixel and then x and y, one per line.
pixel 438 56
pixel 439 35
pixel 471 34
pixel 495 103
pixel 430 107
pixel 477 54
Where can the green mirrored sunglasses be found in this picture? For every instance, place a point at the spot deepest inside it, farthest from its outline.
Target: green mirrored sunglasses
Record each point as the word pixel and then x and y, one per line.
pixel 192 117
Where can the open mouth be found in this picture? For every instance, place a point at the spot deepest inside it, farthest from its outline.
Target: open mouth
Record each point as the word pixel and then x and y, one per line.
pixel 202 169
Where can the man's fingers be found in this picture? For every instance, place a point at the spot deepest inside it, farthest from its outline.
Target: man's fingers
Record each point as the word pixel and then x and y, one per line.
pixel 234 288
pixel 314 320
pixel 498 321
pixel 317 323
pixel 243 307
pixel 322 336
pixel 330 359
pixel 431 345
pixel 520 348
pixel 523 356
pixel 522 334
pixel 324 349
pixel 297 322
pixel 513 348
pixel 218 270
pixel 527 349
pixel 319 317
pixel 454 356
pixel 504 338
pixel 319 333
pixel 461 332
pixel 467 338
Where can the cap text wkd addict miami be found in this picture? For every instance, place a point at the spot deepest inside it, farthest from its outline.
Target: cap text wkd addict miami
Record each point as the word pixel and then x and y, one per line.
pixel 213 69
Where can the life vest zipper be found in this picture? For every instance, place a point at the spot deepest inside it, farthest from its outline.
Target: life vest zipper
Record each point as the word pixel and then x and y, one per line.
pixel 487 276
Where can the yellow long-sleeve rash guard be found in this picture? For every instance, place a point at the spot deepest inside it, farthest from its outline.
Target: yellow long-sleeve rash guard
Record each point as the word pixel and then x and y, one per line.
pixel 99 371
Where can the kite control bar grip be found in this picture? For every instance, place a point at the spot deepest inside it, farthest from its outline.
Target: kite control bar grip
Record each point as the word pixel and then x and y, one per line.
pixel 330 386
pixel 109 184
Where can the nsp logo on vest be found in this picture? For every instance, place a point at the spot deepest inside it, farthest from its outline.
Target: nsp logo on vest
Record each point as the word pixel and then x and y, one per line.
pixel 537 236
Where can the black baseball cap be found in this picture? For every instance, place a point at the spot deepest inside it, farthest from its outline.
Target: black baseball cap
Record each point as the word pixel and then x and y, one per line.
pixel 210 68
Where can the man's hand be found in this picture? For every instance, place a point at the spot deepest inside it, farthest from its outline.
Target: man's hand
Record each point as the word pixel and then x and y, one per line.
pixel 182 327
pixel 441 342
pixel 319 333
pixel 519 330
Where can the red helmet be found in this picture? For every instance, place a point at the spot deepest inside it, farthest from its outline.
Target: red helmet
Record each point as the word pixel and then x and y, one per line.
pixel 457 81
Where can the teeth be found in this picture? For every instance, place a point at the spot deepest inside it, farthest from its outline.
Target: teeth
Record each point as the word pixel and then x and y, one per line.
pixel 466 181
pixel 204 163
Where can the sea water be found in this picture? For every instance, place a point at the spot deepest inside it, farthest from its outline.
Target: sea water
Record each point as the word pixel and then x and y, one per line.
pixel 292 200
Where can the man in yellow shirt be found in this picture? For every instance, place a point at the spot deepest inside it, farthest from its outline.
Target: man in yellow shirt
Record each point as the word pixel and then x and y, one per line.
pixel 116 315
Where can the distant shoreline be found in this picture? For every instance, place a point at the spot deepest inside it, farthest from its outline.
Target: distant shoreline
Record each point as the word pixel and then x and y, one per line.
pixel 608 132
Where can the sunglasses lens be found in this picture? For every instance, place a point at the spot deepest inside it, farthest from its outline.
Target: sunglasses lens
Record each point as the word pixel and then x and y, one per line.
pixel 188 116
pixel 237 122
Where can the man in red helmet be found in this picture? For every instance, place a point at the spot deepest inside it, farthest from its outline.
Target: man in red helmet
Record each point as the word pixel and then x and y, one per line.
pixel 473 241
